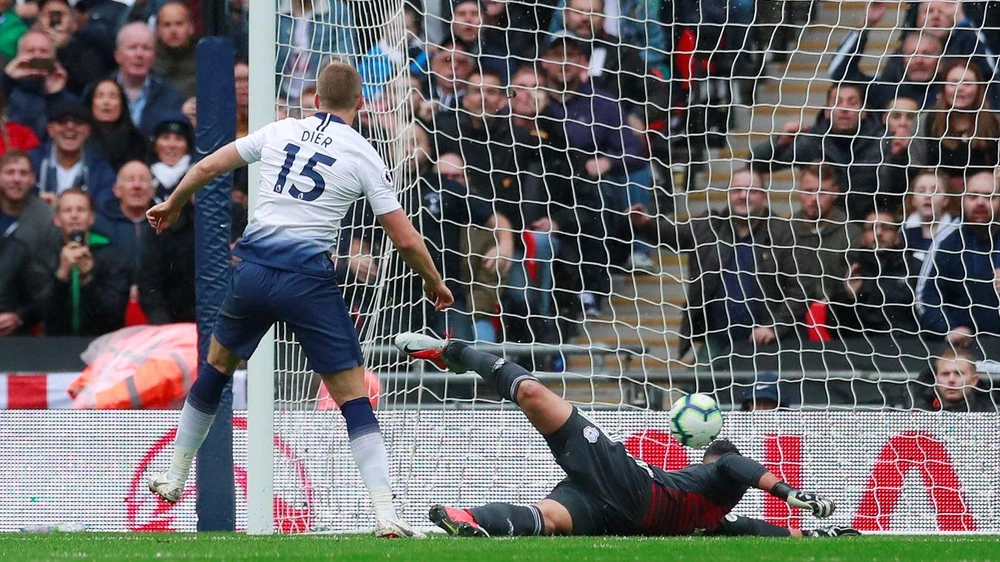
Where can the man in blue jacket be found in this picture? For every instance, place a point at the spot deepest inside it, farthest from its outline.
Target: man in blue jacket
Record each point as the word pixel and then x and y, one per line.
pixel 606 151
pixel 123 218
pixel 956 294
pixel 149 97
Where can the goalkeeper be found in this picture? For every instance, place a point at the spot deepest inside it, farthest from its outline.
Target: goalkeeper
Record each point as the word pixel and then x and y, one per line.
pixel 607 491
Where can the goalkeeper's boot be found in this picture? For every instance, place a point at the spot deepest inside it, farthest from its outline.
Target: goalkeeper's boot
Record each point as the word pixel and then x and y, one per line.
pixel 456 521
pixel 832 532
pixel 420 346
pixel 167 488
pixel 387 528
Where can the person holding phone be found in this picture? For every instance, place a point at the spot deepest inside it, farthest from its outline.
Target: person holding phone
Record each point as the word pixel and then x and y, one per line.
pixel 34 81
pixel 90 279
pixel 84 57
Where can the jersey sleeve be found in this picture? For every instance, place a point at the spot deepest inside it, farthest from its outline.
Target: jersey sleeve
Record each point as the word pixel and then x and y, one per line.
pixel 376 182
pixel 747 472
pixel 251 145
pixel 733 525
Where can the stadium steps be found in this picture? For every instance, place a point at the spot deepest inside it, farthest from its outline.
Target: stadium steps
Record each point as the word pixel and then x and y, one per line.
pixel 646 309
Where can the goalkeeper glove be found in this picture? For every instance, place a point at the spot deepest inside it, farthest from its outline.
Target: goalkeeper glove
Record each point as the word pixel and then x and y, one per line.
pixel 819 506
pixel 831 532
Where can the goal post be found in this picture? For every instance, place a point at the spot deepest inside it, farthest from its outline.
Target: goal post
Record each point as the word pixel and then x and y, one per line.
pixel 260 368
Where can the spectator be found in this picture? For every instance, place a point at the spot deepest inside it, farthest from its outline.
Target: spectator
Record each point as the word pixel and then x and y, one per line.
pixel 823 235
pixel 476 130
pixel 22 288
pixel 66 161
pixel 167 273
pixel 485 284
pixel 239 27
pixel 14 136
pixel 946 20
pixel 241 77
pixel 114 133
pixel 614 66
pixel 546 214
pixel 514 24
pixel 956 384
pixel 33 82
pixel 308 102
pixel 912 76
pixel 90 279
pixel 635 21
pixel 962 131
pixel 491 51
pixel 956 296
pixel 310 33
pixel 451 65
pixel 121 219
pixel 12 27
pixel 900 120
pixel 22 214
pixel 416 41
pixel 843 135
pixel 83 58
pixel 175 43
pixel 877 297
pixel 764 394
pixel 742 284
pixel 608 152
pixel 173 142
pixel 149 97
pixel 445 209
pixel 511 180
pixel 928 206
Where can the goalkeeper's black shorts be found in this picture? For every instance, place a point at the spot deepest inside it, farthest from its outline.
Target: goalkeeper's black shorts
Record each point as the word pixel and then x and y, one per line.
pixel 606 492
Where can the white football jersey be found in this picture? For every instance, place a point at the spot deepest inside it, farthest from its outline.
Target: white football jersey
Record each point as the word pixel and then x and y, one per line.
pixel 312 170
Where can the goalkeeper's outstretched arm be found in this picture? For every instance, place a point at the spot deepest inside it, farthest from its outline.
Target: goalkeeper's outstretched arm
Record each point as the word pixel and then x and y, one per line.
pixel 751 473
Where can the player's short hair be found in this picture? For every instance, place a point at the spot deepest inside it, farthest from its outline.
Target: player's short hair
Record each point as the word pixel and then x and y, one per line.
pixel 338 86
pixel 13 156
pixel 718 448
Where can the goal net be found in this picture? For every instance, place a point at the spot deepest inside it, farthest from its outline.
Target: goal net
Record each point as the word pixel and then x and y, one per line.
pixel 642 199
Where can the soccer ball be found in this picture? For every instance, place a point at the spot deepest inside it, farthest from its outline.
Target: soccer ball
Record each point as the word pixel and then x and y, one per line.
pixel 695 420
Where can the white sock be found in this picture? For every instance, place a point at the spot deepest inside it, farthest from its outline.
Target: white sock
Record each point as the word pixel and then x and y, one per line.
pixel 191 432
pixel 373 463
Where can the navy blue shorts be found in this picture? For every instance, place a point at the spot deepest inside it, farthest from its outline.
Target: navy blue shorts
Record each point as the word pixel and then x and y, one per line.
pixel 312 307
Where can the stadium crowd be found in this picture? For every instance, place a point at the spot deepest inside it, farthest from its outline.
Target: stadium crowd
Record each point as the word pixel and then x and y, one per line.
pixel 541 137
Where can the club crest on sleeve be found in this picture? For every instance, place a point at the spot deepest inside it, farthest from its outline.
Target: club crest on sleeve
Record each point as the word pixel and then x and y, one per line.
pixel 387 177
pixel 591 434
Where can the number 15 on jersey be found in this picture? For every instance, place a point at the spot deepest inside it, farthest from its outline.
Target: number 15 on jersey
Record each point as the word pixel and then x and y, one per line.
pixel 308 170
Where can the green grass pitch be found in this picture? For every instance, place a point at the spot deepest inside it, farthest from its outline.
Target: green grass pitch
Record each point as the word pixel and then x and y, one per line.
pixel 224 546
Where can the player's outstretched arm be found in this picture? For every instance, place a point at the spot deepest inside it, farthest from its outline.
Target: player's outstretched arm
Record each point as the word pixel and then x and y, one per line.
pixel 751 473
pixel 410 245
pixel 820 507
pixel 224 160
